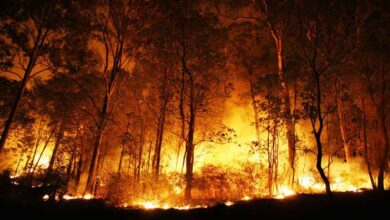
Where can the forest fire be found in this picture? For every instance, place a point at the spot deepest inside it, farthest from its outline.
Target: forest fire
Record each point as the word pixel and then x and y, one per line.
pixel 183 105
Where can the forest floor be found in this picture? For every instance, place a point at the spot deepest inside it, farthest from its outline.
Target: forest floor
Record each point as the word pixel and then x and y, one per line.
pixel 343 206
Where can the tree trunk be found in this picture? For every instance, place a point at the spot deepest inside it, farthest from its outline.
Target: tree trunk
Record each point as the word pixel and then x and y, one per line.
pixel 319 164
pixel 366 146
pixel 381 109
pixel 317 132
pixel 43 150
pixel 121 159
pixel 91 180
pixel 55 150
pixel 290 128
pixel 190 155
pixel 255 110
pixel 159 139
pixel 18 164
pixel 37 142
pixel 80 163
pixel 343 129
pixel 384 156
pixel 40 38
pixel 190 137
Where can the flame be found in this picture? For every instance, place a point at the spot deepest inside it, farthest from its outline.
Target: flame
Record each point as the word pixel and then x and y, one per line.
pixel 240 166
pixel 246 198
pixel 285 191
pixel 148 205
pixel 45 197
pixel 86 197
pixel 229 203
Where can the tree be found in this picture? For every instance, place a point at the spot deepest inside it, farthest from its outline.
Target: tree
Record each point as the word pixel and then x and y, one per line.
pixel 117 23
pixel 30 28
pixel 276 15
pixel 324 45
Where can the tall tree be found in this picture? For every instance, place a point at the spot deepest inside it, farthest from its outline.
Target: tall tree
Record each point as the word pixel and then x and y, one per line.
pixel 117 23
pixel 30 28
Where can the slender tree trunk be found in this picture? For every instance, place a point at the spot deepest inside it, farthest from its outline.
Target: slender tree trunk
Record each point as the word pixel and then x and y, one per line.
pixel 121 159
pixel 54 153
pixel 366 146
pixel 190 155
pixel 17 166
pixel 318 132
pixel 15 106
pixel 40 38
pixel 99 168
pixel 290 128
pixel 91 180
pixel 384 156
pixel 37 142
pixel 269 159
pixel 343 130
pixel 319 164
pixel 80 163
pixel 255 111
pixel 149 156
pixel 191 131
pixel 42 151
pixel 31 152
pixel 69 168
pixel 159 139
pixel 381 109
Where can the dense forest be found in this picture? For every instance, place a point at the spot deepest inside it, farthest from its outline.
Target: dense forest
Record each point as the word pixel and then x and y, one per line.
pixel 170 103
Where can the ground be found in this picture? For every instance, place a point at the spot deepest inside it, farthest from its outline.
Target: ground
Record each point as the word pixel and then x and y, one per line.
pixel 344 206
